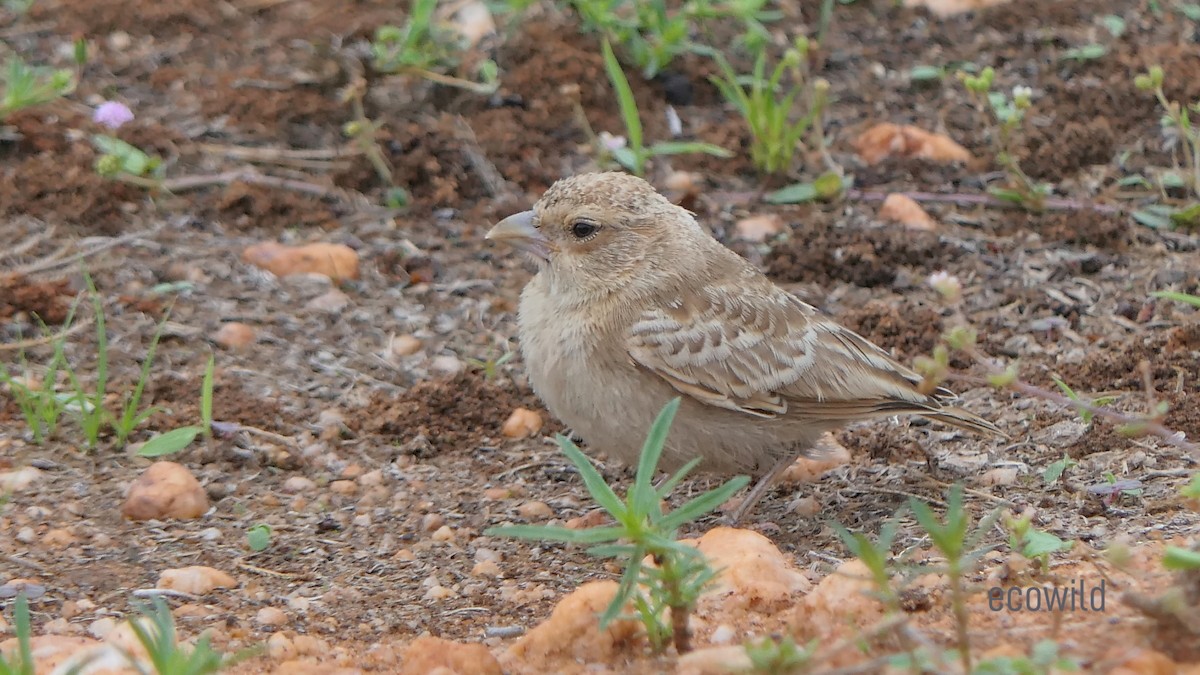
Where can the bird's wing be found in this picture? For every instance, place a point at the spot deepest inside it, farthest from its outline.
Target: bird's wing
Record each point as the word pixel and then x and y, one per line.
pixel 748 345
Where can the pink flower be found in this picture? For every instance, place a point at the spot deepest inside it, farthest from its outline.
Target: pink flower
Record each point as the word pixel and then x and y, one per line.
pixel 112 114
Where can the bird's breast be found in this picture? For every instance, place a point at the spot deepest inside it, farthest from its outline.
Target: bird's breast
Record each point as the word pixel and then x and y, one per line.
pixel 575 359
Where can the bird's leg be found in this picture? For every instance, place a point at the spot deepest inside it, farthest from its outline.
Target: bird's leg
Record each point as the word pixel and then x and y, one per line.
pixel 760 488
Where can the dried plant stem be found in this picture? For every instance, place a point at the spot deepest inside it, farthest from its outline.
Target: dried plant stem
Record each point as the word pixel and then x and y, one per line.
pixel 985 200
pixel 1144 425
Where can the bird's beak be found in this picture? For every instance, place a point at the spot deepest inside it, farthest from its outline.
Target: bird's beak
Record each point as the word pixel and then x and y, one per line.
pixel 519 230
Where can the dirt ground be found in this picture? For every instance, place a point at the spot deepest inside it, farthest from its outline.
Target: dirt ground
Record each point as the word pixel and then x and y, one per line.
pixel 323 394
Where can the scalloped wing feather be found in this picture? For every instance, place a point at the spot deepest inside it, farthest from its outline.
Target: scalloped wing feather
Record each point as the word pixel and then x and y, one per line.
pixel 755 348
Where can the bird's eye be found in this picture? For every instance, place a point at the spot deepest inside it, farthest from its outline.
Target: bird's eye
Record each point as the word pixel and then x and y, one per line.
pixel 582 229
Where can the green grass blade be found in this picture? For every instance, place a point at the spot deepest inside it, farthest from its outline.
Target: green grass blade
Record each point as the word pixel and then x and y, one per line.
pixel 687 148
pixel 169 443
pixel 670 483
pixel 644 498
pixel 626 589
pixel 592 480
pixel 206 395
pixel 629 111
pixel 1193 300
pixel 703 504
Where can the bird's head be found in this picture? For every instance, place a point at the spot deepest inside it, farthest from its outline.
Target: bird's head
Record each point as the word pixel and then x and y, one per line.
pixel 601 232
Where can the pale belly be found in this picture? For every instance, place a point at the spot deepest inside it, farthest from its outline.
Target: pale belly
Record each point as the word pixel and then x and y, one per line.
pixel 611 403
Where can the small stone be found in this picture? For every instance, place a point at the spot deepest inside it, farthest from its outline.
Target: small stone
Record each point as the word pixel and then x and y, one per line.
pixel 593 518
pixel 443 533
pixel 404 345
pixel 432 521
pixel 805 506
pixel 235 336
pixel 336 261
pixel 165 490
pixel 497 493
pixel 210 534
pixel 299 603
pixel 535 510
pixel 26 535
pixel 309 645
pixel 439 593
pixel 298 484
pixel 332 302
pixel 482 554
pixel 196 580
pixel 485 568
pixel 905 210
pixel 280 647
pixel 1004 475
pixel 353 471
pixel 681 181
pixel 371 478
pixel 21 479
pixel 522 423
pixel 723 635
pixel 70 610
pixel 100 628
pixel 119 41
pixel 271 616
pixel 362 520
pixel 757 229
pixel 428 654
pixel 58 538
pixel 446 364
pixel 343 487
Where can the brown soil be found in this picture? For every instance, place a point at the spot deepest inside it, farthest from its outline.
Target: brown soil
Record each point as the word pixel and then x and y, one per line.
pixel 219 87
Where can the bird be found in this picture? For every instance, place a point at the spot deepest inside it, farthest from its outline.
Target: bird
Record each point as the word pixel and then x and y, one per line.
pixel 634 304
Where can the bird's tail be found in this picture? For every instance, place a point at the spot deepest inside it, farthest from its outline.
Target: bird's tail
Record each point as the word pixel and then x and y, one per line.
pixel 957 417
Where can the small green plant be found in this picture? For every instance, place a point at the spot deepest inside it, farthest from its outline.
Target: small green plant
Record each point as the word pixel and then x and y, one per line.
pixel 88 407
pixel 176 440
pixel 767 105
pixel 651 35
pixel 21 662
pixel 26 86
pixel 952 536
pixel 1032 543
pixel 634 154
pixel 40 402
pixel 680 572
pixel 421 47
pixel 1089 52
pixel 258 537
pixel 1085 413
pixel 131 413
pixel 364 133
pixel 124 161
pixel 1192 489
pixel 491 366
pixel 156 633
pixel 1057 468
pixel 1115 489
pixel 1177 126
pixel 773 655
pixel 1005 115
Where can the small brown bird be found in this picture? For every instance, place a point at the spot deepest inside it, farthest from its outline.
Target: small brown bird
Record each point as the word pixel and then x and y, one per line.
pixel 634 304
